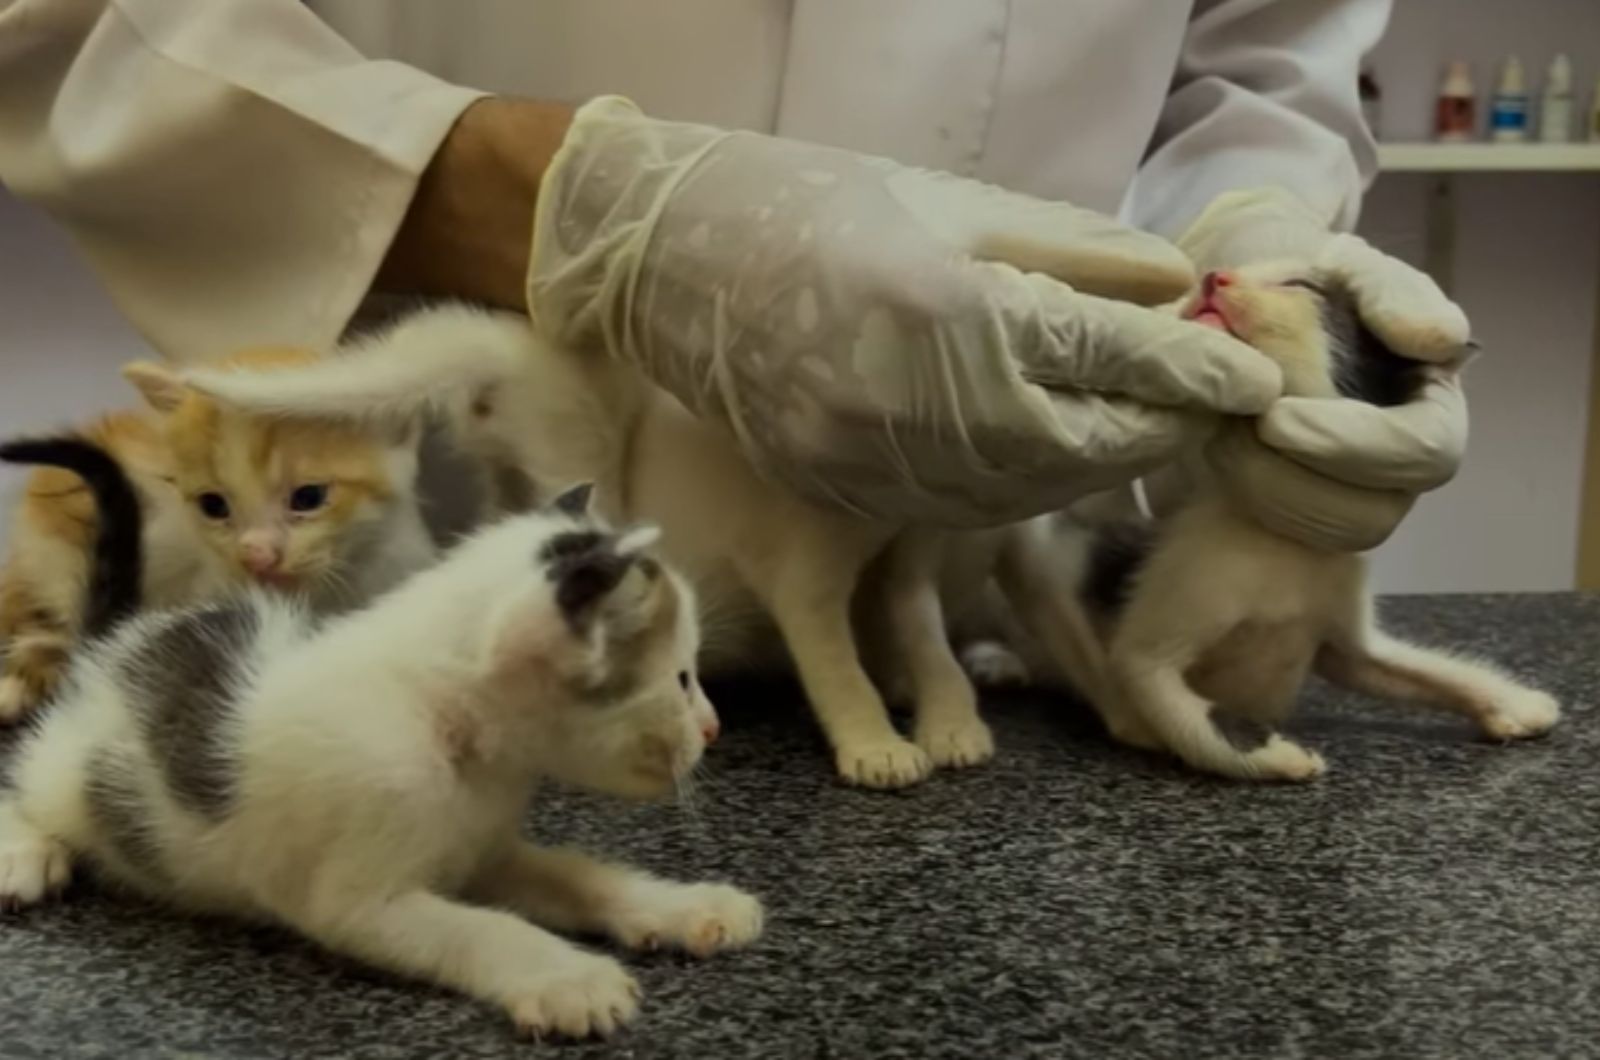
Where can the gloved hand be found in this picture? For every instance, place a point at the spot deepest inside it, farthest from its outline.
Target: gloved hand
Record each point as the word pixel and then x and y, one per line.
pixel 885 338
pixel 1333 473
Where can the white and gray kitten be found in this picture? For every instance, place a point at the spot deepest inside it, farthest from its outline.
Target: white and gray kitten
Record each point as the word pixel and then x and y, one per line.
pixel 1194 634
pixel 364 782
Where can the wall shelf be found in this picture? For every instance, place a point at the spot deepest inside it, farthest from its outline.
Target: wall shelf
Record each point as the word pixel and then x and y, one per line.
pixel 1489 158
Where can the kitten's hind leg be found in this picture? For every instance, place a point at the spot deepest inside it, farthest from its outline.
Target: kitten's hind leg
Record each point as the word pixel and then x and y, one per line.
pixel 569 891
pixel 544 982
pixel 33 865
pixel 948 726
pixel 1363 657
pixel 808 592
pixel 1186 724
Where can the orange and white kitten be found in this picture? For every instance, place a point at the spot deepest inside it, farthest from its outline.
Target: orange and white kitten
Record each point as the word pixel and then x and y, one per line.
pixel 48 557
pixel 326 512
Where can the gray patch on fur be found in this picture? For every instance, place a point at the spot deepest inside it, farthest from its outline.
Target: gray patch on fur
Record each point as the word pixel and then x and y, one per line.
pixel 1244 734
pixel 118 810
pixel 183 683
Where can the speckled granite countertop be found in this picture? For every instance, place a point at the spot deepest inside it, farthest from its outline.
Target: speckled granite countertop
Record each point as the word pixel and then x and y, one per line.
pixel 1431 897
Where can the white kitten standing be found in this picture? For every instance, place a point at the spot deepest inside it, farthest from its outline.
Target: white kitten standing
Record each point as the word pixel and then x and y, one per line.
pixel 365 783
pixel 773 572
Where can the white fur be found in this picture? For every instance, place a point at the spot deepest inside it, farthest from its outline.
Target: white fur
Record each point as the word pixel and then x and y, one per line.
pixel 381 770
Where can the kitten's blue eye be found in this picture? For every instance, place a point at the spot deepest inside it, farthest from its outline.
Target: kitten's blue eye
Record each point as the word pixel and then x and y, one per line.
pixel 213 505
pixel 308 498
pixel 1308 285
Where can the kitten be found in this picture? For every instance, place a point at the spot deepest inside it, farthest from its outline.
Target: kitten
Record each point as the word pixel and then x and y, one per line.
pixel 364 783
pixel 772 571
pixel 321 510
pixel 1207 624
pixel 317 508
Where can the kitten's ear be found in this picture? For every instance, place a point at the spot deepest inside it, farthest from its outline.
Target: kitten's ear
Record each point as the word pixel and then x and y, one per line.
pixel 575 500
pixel 163 389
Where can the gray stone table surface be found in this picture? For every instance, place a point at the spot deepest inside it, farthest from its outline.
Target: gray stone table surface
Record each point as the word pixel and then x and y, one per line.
pixel 1432 896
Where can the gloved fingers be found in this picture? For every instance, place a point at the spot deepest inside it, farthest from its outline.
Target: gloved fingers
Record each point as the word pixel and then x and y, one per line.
pixel 1413 447
pixel 1401 304
pixel 1087 250
pixel 1110 347
pixel 1296 502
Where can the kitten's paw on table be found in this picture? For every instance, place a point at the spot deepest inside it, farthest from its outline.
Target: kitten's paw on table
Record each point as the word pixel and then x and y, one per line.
pixel 891 763
pixel 956 744
pixel 1283 759
pixel 699 918
pixel 1520 717
pixel 584 995
pixel 32 868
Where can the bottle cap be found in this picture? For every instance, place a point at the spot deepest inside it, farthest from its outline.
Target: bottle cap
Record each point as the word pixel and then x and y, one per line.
pixel 1559 80
pixel 1512 79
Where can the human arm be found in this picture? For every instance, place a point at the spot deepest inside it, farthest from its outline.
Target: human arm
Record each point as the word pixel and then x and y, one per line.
pixel 232 170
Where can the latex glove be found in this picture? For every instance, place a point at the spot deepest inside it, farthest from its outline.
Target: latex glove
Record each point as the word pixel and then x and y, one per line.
pixel 1333 473
pixel 880 337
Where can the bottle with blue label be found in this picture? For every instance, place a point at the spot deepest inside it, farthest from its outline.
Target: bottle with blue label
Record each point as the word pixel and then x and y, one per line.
pixel 1508 114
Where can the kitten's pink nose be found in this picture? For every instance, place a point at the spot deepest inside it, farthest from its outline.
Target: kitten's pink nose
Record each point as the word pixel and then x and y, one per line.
pixel 710 730
pixel 1213 280
pixel 260 557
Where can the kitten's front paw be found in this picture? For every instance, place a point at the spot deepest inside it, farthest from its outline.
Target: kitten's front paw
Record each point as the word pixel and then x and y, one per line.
pixel 967 742
pixel 884 763
pixel 1518 718
pixel 583 995
pixel 31 868
pixel 991 664
pixel 699 918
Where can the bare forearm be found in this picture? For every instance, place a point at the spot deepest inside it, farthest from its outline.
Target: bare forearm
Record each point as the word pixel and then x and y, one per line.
pixel 466 234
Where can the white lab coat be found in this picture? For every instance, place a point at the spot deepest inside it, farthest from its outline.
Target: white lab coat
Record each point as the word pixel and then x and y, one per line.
pixel 234 171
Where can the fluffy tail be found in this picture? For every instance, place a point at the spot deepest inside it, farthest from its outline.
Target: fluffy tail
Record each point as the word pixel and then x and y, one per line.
pixel 117 570
pixel 431 360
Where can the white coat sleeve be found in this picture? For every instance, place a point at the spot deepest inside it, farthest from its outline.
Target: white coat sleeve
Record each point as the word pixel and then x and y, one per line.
pixel 232 169
pixel 1265 94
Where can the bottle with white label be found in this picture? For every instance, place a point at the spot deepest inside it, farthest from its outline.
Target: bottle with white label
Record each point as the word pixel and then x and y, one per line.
pixel 1555 112
pixel 1508 114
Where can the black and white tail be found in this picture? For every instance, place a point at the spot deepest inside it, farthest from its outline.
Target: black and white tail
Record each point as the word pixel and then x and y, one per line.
pixel 116 572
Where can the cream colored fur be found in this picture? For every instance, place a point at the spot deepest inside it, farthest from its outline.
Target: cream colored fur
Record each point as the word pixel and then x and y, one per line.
pixel 380 771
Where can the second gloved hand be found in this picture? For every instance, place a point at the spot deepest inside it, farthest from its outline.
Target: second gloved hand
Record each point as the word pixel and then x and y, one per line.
pixel 910 345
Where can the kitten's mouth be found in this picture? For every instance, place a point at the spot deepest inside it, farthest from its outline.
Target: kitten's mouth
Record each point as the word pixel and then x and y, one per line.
pixel 1208 313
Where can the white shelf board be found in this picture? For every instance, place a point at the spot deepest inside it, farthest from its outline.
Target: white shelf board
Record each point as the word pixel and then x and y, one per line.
pixel 1485 158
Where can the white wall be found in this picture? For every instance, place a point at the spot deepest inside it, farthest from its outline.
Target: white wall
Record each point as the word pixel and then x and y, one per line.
pixel 1527 273
pixel 61 340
